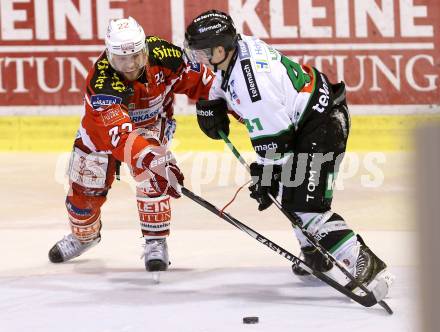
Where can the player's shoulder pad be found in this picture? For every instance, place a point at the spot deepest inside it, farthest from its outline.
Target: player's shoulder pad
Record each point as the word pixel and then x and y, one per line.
pixel 105 87
pixel 165 54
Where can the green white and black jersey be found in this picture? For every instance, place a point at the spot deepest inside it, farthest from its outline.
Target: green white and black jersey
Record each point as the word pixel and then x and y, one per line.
pixel 273 95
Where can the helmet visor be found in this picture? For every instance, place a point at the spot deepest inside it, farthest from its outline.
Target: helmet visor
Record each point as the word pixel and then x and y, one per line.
pixel 129 62
pixel 203 55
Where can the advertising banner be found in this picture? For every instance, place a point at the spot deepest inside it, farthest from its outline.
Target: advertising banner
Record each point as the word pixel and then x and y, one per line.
pixel 387 51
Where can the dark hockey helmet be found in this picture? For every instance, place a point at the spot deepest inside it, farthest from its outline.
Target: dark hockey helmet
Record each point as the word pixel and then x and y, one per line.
pixel 210 29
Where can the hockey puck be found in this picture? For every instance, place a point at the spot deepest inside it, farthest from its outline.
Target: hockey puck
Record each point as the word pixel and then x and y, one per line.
pixel 250 320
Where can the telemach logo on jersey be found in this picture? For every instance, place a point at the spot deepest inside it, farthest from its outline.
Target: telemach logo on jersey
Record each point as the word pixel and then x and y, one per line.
pixel 324 96
pixel 266 147
pixel 249 78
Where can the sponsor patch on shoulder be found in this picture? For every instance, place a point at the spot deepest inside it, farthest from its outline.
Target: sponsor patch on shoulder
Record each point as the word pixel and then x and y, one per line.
pixel 262 66
pixel 243 51
pixel 194 66
pixel 102 100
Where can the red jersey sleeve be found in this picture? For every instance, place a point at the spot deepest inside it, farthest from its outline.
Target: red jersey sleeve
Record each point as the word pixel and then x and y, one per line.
pixel 182 77
pixel 196 81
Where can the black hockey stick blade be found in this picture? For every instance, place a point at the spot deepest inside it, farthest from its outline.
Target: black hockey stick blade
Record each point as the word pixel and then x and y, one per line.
pixel 367 300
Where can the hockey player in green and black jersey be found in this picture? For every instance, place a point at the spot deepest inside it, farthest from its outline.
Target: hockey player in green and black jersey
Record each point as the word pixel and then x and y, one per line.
pixel 298 123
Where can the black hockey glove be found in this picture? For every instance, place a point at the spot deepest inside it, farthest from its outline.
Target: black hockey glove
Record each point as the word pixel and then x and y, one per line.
pixel 265 181
pixel 212 116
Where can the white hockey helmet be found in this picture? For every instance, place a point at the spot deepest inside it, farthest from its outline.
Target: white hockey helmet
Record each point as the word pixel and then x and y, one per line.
pixel 125 45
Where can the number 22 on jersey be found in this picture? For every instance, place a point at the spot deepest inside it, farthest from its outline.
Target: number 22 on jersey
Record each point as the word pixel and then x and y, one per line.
pixel 114 132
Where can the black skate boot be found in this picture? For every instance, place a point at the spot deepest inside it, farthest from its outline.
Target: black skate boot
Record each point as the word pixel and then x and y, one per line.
pixel 69 247
pixel 312 257
pixel 372 272
pixel 156 255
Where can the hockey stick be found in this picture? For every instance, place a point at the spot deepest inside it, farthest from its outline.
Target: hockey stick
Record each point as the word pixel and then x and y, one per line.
pixel 367 300
pixel 296 222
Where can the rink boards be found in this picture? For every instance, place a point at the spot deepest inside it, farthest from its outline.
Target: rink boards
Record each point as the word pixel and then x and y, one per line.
pixel 56 133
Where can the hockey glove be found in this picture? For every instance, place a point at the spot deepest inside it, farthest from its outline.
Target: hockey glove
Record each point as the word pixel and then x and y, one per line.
pixel 265 181
pixel 160 169
pixel 212 116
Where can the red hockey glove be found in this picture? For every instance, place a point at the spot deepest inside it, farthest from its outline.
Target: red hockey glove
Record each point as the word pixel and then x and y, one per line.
pixel 158 166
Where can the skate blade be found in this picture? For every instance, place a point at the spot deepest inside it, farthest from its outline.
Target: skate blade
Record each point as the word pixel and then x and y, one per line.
pixel 156 277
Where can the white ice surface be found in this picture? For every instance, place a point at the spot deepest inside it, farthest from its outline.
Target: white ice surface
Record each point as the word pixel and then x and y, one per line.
pixel 218 274
pixel 108 289
pixel 192 300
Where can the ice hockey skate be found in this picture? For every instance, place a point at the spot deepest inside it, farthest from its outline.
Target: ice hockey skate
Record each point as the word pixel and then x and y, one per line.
pixel 70 247
pixel 156 255
pixel 314 259
pixel 372 272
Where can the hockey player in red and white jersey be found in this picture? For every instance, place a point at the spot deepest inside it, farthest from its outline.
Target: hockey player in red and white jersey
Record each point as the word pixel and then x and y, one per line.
pixel 298 124
pixel 129 118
